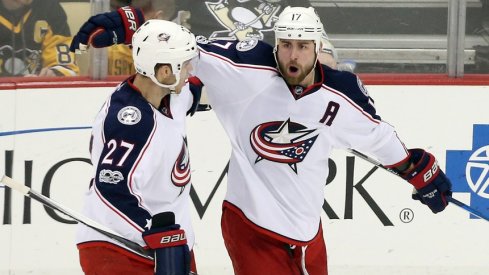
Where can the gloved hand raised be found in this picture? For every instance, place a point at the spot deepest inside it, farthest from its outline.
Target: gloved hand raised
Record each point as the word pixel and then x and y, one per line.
pixel 431 184
pixel 107 29
pixel 172 256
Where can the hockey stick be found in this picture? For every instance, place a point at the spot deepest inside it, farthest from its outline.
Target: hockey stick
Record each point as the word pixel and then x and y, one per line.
pixel 26 191
pixel 449 198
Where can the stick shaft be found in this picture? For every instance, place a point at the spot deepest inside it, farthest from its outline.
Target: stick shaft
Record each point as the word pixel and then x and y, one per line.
pixel 450 199
pixel 26 191
pixel 468 208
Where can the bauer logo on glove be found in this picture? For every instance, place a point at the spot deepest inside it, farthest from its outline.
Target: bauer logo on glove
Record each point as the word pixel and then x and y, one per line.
pixel 107 29
pixel 431 184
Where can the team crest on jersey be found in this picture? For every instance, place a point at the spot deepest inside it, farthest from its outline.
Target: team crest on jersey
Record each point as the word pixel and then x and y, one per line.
pixel 129 115
pixel 246 45
pixel 202 39
pixel 109 176
pixel 361 87
pixel 282 141
pixel 180 174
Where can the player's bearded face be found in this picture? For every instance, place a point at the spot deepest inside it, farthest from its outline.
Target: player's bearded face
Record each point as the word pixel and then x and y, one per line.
pixel 294 73
pixel 296 60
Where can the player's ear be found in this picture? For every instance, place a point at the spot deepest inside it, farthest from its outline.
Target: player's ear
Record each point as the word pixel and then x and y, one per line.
pixel 162 71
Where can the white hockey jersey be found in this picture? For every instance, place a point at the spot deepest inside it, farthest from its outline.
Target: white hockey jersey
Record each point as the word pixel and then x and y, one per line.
pixel 141 165
pixel 282 136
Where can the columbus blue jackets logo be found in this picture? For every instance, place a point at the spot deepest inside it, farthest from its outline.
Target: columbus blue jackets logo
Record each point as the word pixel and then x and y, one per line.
pixel 163 37
pixel 129 115
pixel 180 174
pixel 283 142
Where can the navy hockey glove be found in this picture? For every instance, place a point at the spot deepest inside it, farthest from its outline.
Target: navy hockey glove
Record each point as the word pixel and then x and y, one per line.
pixel 172 256
pixel 431 184
pixel 196 86
pixel 107 29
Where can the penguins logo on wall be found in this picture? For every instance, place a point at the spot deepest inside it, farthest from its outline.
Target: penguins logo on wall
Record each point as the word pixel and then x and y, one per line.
pixel 244 19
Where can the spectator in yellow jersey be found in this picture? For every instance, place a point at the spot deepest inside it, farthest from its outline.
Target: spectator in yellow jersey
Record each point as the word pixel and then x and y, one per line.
pixel 35 39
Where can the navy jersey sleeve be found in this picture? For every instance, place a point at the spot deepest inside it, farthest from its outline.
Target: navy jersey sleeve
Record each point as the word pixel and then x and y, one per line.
pixel 350 85
pixel 128 129
pixel 246 52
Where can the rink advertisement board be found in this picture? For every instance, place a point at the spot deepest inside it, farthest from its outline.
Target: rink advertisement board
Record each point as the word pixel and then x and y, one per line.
pixel 371 224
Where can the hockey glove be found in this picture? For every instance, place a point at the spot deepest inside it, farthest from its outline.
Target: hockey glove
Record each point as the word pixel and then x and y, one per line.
pixel 196 87
pixel 107 29
pixel 172 256
pixel 431 184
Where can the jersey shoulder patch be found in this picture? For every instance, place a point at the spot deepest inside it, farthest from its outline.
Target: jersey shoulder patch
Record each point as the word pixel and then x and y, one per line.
pixel 128 114
pixel 246 45
pixel 351 86
pixel 246 52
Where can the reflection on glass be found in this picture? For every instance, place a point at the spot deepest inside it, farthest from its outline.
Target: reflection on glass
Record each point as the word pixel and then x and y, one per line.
pixel 370 36
pixel 35 39
pixel 477 39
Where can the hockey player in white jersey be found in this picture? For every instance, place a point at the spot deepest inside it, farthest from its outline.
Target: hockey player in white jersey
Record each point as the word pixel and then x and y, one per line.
pixel 142 171
pixel 283 120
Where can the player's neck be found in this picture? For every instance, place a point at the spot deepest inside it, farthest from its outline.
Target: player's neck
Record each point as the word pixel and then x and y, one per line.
pixel 150 91
pixel 309 79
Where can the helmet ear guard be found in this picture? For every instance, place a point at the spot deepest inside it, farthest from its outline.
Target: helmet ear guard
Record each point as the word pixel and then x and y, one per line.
pixel 299 23
pixel 327 47
pixel 162 42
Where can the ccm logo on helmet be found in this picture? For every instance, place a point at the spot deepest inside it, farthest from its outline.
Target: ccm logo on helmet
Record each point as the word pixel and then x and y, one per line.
pixel 172 238
pixel 130 18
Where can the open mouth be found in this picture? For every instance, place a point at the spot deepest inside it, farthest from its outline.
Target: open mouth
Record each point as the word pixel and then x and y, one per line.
pixel 293 70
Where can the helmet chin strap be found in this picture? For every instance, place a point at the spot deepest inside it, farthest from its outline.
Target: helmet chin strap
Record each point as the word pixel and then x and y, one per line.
pixel 171 87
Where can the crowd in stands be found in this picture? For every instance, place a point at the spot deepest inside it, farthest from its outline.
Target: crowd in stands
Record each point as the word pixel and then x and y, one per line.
pixel 35 34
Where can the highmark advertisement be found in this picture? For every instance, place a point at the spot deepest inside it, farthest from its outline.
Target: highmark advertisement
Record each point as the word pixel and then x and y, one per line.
pixel 371 224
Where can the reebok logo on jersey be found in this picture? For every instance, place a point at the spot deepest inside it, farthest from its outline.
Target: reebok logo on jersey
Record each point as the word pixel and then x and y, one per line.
pixel 129 115
pixel 109 176
pixel 282 141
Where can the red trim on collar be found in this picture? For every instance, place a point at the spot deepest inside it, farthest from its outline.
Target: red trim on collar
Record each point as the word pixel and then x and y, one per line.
pixel 130 82
pixel 312 88
pixel 164 107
